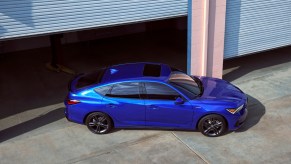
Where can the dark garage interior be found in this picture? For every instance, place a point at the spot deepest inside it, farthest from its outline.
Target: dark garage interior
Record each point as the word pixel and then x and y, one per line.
pixel 27 84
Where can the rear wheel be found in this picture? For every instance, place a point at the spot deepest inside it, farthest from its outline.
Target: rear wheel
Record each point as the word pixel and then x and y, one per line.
pixel 99 123
pixel 212 125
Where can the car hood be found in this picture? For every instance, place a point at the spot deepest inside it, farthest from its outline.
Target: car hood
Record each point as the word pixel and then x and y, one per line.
pixel 214 88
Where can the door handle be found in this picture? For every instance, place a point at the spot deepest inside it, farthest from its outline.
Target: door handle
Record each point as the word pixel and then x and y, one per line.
pixel 153 107
pixel 111 106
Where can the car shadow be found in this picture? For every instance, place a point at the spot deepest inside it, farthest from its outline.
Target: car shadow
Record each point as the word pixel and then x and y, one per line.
pixel 154 129
pixel 256 110
pixel 32 124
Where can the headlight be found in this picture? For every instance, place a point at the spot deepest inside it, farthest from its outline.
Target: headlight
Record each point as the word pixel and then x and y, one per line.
pixel 235 110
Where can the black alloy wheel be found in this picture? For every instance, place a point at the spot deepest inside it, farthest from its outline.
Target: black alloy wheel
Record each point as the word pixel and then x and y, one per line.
pixel 212 125
pixel 99 123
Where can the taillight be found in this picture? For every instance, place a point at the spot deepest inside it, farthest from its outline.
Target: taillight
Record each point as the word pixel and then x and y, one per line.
pixel 72 102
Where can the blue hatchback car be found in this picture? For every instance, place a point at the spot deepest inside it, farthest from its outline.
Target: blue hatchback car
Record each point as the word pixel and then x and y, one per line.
pixel 152 95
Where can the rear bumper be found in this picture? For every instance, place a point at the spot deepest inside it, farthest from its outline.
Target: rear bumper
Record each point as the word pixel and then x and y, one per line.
pixel 75 113
pixel 66 114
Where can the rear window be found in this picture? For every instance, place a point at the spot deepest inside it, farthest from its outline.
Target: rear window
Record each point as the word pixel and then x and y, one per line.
pixel 125 90
pixel 103 90
pixel 90 78
pixel 152 70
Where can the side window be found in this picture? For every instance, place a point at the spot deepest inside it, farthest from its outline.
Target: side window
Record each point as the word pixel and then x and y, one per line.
pixel 125 90
pixel 103 90
pixel 159 91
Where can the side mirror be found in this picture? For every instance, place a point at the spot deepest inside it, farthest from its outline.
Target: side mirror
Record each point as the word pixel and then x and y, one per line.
pixel 179 100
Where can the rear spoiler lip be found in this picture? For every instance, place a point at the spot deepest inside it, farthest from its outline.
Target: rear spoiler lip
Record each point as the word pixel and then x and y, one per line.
pixel 70 87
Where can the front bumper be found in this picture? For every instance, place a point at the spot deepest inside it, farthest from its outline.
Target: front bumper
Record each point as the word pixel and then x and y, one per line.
pixel 242 119
pixel 238 119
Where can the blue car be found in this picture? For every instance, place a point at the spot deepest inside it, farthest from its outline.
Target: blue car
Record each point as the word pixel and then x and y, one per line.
pixel 153 95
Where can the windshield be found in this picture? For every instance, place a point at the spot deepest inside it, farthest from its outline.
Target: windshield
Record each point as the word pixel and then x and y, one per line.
pixel 186 84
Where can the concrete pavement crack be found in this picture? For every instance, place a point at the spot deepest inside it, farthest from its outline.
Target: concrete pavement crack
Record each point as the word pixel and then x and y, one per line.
pixel 192 150
pixel 114 148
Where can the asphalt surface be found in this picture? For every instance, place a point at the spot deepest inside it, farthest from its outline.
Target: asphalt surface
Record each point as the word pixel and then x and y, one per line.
pixel 34 130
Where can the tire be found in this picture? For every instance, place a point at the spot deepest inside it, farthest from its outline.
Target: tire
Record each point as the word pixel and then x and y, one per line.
pixel 212 125
pixel 99 123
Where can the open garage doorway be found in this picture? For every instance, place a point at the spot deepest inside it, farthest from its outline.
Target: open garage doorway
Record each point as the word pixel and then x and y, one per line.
pixel 27 85
pixel 160 41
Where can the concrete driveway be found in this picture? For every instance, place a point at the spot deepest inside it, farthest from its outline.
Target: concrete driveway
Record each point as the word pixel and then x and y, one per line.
pixel 39 133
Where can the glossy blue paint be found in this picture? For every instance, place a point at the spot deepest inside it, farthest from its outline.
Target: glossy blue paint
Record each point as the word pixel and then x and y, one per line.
pixel 126 112
pixel 132 71
pixel 142 111
pixel 166 113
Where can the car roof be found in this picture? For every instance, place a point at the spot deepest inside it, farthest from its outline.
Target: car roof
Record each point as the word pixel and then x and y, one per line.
pixel 136 71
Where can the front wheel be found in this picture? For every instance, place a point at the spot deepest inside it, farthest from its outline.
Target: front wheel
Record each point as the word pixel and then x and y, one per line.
pixel 212 125
pixel 99 123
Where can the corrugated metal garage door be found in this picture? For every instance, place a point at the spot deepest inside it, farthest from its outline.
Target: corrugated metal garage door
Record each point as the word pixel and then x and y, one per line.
pixel 253 26
pixel 22 18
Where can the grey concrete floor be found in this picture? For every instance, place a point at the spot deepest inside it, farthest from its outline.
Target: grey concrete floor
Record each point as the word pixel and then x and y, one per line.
pixel 34 130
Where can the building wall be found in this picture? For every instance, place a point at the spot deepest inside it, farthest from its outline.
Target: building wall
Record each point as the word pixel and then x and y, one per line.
pixel 250 26
pixel 254 26
pixel 206 29
pixel 27 18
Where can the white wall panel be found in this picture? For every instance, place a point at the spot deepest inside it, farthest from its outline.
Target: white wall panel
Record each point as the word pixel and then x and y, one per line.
pixel 24 18
pixel 256 25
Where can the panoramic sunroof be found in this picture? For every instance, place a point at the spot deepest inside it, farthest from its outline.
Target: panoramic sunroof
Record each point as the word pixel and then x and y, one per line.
pixel 152 70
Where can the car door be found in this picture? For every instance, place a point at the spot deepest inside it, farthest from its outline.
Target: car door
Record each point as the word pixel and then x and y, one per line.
pixel 124 103
pixel 161 109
